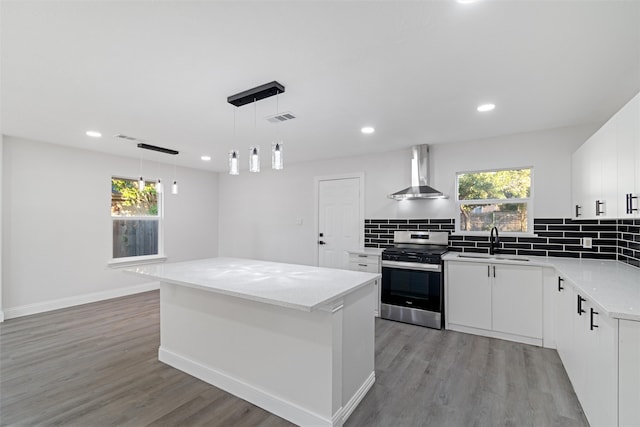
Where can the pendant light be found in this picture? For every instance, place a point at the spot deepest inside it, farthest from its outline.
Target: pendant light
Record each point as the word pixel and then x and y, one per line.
pixel 254 159
pixel 254 152
pixel 277 161
pixel 233 163
pixel 158 185
pixel 174 186
pixel 253 96
pixel 141 179
pixel 233 154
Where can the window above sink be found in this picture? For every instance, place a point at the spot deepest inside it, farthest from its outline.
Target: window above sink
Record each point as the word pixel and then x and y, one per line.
pixel 501 198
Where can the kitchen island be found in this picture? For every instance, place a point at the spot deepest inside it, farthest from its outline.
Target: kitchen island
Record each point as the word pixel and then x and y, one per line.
pixel 295 340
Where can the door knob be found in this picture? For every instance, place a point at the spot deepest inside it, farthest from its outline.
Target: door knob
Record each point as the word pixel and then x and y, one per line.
pixel 322 243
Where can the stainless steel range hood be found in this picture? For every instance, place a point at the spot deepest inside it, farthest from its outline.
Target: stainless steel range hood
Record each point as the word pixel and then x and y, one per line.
pixel 420 188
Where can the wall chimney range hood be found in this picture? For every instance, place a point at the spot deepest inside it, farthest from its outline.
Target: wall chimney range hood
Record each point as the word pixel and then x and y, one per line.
pixel 420 188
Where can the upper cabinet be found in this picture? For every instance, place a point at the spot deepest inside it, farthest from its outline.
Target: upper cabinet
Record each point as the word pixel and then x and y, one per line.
pixel 628 139
pixel 606 168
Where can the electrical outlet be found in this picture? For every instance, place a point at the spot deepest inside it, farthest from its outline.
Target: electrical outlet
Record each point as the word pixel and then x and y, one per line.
pixel 587 242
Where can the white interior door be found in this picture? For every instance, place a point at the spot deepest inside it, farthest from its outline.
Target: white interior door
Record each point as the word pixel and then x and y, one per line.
pixel 339 220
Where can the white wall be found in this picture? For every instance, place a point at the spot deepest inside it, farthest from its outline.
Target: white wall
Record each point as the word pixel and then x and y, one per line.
pixel 259 212
pixel 1 225
pixel 57 225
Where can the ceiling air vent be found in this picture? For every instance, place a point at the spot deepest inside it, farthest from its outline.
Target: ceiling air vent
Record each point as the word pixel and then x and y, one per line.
pixel 127 138
pixel 281 117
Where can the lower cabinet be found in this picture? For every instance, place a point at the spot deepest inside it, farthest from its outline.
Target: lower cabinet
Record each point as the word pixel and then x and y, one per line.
pixel 629 369
pixel 368 263
pixel 498 300
pixel 589 347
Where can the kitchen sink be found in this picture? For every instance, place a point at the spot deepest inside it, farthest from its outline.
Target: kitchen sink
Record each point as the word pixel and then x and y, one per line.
pixel 494 257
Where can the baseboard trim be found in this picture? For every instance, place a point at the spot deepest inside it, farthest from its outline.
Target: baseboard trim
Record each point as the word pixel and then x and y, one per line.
pixel 343 414
pixel 1 316
pixel 494 334
pixel 57 304
pixel 274 404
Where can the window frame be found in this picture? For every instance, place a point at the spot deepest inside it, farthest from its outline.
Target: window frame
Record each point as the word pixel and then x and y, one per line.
pixel 528 201
pixel 139 259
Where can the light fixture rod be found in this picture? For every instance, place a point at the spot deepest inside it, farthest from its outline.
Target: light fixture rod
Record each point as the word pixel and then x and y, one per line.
pixel 156 148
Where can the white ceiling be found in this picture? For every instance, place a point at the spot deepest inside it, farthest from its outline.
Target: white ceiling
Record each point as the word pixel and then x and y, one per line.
pixel 162 71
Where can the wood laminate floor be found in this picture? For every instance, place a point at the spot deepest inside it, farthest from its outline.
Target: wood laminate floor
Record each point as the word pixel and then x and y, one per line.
pixel 96 365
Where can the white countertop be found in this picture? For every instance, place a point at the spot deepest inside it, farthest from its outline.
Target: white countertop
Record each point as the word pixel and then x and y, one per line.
pixel 614 286
pixel 294 286
pixel 367 251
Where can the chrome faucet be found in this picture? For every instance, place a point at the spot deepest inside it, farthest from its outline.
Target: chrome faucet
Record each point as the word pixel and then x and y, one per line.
pixel 494 241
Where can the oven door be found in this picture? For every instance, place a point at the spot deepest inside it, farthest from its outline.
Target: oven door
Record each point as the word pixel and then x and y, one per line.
pixel 413 285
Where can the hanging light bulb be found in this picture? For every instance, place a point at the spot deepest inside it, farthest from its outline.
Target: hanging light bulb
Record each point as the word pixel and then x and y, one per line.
pixel 254 159
pixel 174 187
pixel 233 163
pixel 141 184
pixel 159 186
pixel 277 162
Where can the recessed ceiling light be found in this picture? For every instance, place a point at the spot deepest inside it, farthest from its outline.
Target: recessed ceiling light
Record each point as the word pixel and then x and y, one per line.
pixel 486 107
pixel 93 134
pixel 205 158
pixel 367 130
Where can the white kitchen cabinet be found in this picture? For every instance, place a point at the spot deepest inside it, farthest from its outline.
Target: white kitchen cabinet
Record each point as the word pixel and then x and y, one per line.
pixel 517 300
pixel 587 345
pixel 605 175
pixel 579 180
pixel 594 176
pixel 497 300
pixel 369 263
pixel 628 140
pixel 468 296
pixel 629 385
pixel 565 339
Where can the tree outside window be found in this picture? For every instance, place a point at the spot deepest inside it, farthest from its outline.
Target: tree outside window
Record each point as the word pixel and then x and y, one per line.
pixel 136 218
pixel 497 198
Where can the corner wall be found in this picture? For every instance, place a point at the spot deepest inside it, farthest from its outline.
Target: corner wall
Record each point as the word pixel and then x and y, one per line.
pixel 57 224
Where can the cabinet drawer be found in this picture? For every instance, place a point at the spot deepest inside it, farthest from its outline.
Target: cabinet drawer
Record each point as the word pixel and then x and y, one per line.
pixel 362 266
pixel 364 259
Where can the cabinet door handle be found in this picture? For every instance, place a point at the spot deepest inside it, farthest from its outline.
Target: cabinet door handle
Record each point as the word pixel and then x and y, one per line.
pixel 578 209
pixel 362 256
pixel 591 320
pixel 631 199
pixel 560 287
pixel 598 204
pixel 628 202
pixel 494 271
pixel 362 265
pixel 580 310
pixel 488 271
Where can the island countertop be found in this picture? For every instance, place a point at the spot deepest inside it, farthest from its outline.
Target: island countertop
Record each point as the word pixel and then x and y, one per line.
pixel 294 286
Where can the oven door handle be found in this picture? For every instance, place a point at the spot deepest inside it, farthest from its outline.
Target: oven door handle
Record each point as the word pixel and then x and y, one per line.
pixel 411 266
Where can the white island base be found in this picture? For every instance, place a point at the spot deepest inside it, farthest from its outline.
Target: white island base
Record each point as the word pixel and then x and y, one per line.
pixel 310 367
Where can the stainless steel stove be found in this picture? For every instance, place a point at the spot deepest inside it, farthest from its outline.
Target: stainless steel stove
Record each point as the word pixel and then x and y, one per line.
pixel 412 285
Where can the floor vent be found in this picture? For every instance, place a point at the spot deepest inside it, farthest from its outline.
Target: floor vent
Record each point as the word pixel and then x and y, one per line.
pixel 281 117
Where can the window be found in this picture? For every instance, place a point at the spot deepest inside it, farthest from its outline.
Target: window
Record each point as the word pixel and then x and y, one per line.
pixel 500 198
pixel 136 217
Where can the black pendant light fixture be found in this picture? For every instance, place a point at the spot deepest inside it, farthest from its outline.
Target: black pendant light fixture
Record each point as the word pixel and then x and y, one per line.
pixel 247 97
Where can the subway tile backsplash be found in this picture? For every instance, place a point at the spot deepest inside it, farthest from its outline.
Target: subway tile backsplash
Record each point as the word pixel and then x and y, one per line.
pixel 555 237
